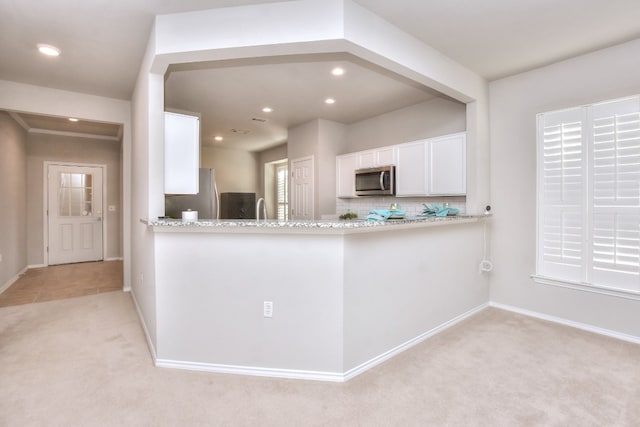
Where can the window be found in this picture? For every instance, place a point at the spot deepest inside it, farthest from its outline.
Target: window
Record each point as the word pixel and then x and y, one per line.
pixel 589 196
pixel 282 191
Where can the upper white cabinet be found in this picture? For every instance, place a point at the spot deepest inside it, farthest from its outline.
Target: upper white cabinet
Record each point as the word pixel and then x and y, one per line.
pixel 428 167
pixel 411 169
pixel 345 175
pixel 379 157
pixel 432 167
pixel 447 165
pixel 181 153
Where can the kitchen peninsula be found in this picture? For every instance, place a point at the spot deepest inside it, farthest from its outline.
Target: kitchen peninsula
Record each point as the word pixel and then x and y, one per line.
pixel 343 295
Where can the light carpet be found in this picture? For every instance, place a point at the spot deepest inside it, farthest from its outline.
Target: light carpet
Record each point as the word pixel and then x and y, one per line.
pixel 84 362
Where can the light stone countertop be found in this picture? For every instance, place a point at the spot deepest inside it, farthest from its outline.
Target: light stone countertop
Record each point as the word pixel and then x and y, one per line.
pixel 304 227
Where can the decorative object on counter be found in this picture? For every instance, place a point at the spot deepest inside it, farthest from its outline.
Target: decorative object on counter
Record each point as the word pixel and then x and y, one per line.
pixel 384 214
pixel 189 216
pixel 349 215
pixel 394 207
pixel 439 210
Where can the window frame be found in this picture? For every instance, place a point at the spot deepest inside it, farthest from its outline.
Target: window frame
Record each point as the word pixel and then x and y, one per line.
pixel 589 208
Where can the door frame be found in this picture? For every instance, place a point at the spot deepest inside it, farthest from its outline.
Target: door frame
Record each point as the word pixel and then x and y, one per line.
pixel 45 204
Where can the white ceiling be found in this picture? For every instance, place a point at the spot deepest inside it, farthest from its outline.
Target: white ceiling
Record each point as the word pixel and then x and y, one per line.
pixel 230 95
pixel 103 41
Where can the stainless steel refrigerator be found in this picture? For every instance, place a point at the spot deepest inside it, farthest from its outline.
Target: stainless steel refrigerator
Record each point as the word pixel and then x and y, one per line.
pixel 206 202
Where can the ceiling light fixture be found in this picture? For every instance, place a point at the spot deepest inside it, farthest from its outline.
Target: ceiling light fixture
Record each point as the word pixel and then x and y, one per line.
pixel 73 119
pixel 337 71
pixel 47 49
pixel 218 138
pixel 267 109
pixel 329 101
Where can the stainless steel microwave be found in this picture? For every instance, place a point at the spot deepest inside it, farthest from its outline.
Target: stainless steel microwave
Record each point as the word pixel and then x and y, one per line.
pixel 380 181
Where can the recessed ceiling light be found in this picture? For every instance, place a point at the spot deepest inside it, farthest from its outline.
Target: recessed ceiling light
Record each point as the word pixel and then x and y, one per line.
pixel 329 101
pixel 218 138
pixel 47 49
pixel 72 119
pixel 267 109
pixel 337 71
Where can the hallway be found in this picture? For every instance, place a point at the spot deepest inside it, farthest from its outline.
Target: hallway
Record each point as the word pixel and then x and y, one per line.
pixel 64 281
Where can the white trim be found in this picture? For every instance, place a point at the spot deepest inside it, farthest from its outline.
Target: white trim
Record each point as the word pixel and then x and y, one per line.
pixel 74 134
pixel 412 342
pixel 30 266
pixel 585 287
pixel 12 280
pixel 253 371
pixel 578 325
pixel 18 119
pixel 115 258
pixel 313 375
pixel 152 349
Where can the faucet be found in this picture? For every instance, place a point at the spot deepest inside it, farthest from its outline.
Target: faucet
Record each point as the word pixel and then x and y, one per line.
pixel 264 209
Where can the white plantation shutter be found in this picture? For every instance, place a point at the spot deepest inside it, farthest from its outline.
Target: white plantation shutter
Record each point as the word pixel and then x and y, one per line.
pixel 561 194
pixel 589 195
pixel 616 194
pixel 282 191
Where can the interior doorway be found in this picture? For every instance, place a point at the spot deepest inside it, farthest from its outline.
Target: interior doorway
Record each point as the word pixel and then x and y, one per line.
pixel 74 220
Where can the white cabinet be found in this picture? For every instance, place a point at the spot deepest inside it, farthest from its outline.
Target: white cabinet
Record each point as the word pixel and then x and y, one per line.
pixel 181 153
pixel 447 165
pixel 379 157
pixel 345 177
pixel 411 169
pixel 432 167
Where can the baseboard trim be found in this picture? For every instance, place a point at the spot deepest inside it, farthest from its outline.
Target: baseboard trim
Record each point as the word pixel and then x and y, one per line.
pixel 253 371
pixel 114 259
pixel 13 279
pixel 351 373
pixel 152 348
pixel 315 375
pixel 36 266
pixel 578 325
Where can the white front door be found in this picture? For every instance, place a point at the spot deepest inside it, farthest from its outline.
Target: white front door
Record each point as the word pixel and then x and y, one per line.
pixel 302 188
pixel 74 211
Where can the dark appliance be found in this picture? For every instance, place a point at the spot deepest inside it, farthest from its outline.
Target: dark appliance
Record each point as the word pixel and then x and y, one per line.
pixel 237 205
pixel 379 181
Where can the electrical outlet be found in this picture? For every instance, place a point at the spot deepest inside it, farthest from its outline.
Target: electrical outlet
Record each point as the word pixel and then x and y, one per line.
pixel 0 257
pixel 141 281
pixel 267 309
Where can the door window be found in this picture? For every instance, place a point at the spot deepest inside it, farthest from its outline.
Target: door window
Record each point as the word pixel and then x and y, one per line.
pixel 75 195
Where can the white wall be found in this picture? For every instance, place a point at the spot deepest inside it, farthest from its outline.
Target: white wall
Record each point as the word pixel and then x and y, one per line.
pixel 515 101
pixel 236 170
pixel 402 284
pixel 331 139
pixel 210 302
pixel 48 147
pixel 425 120
pixel 13 199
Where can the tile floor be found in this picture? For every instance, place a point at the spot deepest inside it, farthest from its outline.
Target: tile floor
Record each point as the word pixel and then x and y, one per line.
pixel 64 281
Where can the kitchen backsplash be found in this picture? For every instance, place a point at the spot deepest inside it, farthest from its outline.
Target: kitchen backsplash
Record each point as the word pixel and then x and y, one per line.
pixel 412 206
